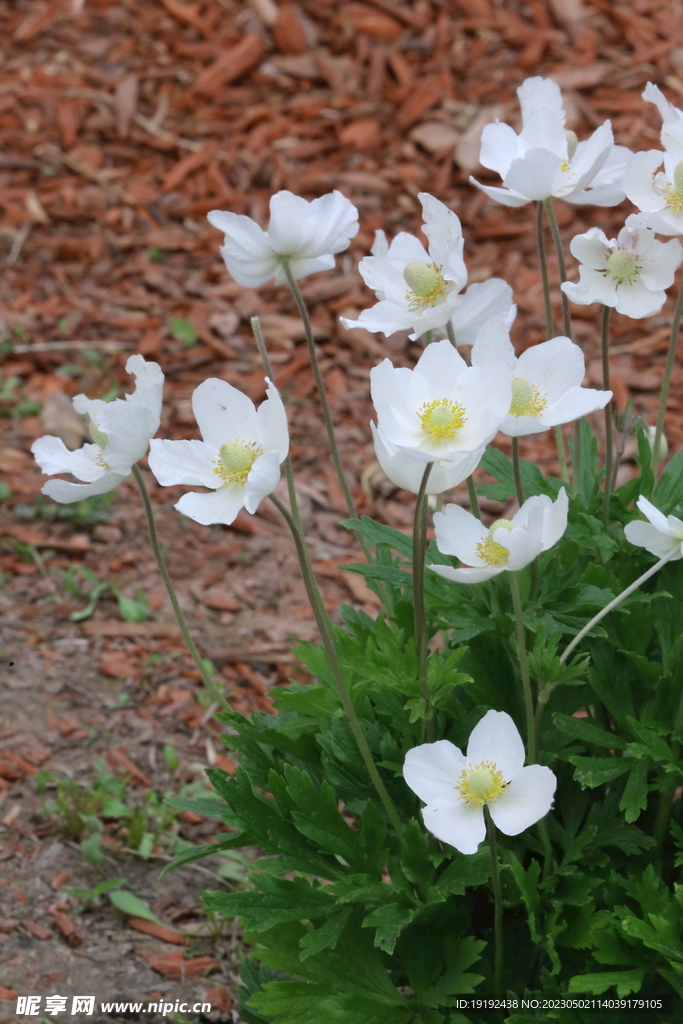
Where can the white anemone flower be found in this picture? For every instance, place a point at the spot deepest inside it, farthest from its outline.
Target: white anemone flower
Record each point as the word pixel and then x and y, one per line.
pixel 306 234
pixel 418 288
pixel 546 380
pixel 546 160
pixel 441 409
pixel 406 471
pixel 456 787
pixel 629 273
pixel 239 457
pixel 661 536
pixel 660 193
pixel 121 431
pixel 507 545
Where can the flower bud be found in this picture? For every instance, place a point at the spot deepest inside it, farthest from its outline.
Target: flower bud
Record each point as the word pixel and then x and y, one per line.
pixel 650 433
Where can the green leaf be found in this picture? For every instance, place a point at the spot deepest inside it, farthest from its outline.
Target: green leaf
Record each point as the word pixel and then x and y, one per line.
pixel 199 852
pixel 183 331
pixel 669 491
pixel 389 921
pixel 378 533
pixel 595 771
pixel 326 935
pixel 281 900
pixel 585 729
pixel 527 883
pixel 624 981
pixel 129 904
pixel 319 818
pixel 460 954
pixel 634 798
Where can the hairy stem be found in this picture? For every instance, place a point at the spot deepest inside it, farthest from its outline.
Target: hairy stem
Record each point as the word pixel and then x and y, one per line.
pixel 202 665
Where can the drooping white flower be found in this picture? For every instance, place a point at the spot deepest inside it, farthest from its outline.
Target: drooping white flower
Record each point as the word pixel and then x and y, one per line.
pixel 661 536
pixel 546 380
pixel 121 431
pixel 629 273
pixel 406 470
pixel 507 545
pixel 308 234
pixel 660 193
pixel 239 457
pixel 545 160
pixel 441 409
pixel 456 787
pixel 418 288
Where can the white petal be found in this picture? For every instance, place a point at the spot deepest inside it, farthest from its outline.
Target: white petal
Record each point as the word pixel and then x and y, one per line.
pixel 469 575
pixel 292 225
pixel 271 423
pixel 243 237
pixel 573 404
pixel 129 428
pixel 482 301
pixel 540 93
pixel 223 413
pixel 336 223
pixel 184 462
pixel 652 94
pixel 534 175
pixel 638 181
pixel 526 800
pixel 380 247
pixel 523 546
pixel 544 132
pixel 590 156
pixel 440 365
pixel 263 478
pixel 592 287
pixel 149 384
pixel 53 456
pixel 644 535
pixel 219 506
pixel 501 195
pixel 459 533
pixel 303 267
pixel 385 316
pixel 591 248
pixel 432 770
pixel 65 492
pixel 660 263
pixel 555 520
pixel 496 738
pixel 457 823
pixel 553 366
pixel 493 346
pixel 397 394
pixel 251 273
pixel 499 147
pixel 657 518
pixel 637 301
pixel 444 231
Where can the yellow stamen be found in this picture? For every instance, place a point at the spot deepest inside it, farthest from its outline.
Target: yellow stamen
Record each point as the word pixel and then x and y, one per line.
pixel 441 419
pixel 526 399
pixel 481 784
pixel 491 552
pixel 426 284
pixel 235 459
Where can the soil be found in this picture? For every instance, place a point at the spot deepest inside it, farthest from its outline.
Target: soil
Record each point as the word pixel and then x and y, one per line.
pixel 121 125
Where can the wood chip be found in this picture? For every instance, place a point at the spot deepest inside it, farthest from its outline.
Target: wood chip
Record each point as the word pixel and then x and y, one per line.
pixel 159 931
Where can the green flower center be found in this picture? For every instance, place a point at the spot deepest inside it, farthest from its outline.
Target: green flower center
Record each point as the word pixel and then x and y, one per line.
pixel 622 265
pixel 98 436
pixel 572 143
pixel 674 193
pixel 481 784
pixel 441 419
pixel 426 284
pixel 235 459
pixel 491 552
pixel 526 399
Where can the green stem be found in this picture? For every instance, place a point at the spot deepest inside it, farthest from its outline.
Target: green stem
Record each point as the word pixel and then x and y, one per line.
pixel 419 610
pixel 557 242
pixel 550 330
pixel 615 602
pixel 451 334
pixel 666 383
pixel 606 310
pixel 524 669
pixel 325 628
pixel 427 337
pixel 498 907
pixel 474 501
pixel 517 471
pixel 327 416
pixel 207 678
pixel 561 455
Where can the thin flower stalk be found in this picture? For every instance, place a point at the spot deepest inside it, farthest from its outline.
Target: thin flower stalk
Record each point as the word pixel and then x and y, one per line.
pixel 327 416
pixel 474 501
pixel 616 602
pixel 666 383
pixel 607 487
pixel 550 329
pixel 202 665
pixel 524 669
pixel 419 612
pixel 325 628
pixel 499 948
pixel 516 470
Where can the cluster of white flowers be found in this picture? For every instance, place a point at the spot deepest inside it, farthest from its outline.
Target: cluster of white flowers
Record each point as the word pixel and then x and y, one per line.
pixel 442 412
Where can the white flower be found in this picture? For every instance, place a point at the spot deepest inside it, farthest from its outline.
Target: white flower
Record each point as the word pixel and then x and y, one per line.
pixel 417 288
pixel 508 544
pixel 239 457
pixel 545 384
pixel 661 536
pixel 121 431
pixel 482 301
pixel 546 160
pixel 456 787
pixel 441 409
pixel 660 193
pixel 306 233
pixel 406 470
pixel 629 273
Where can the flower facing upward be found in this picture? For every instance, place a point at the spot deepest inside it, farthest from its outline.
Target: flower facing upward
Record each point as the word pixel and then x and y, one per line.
pixel 546 380
pixel 239 458
pixel 508 544
pixel 629 272
pixel 661 536
pixel 546 160
pixel 660 193
pixel 307 234
pixel 121 431
pixel 417 288
pixel 441 409
pixel 456 787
